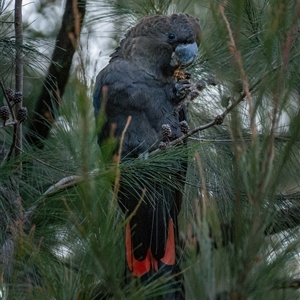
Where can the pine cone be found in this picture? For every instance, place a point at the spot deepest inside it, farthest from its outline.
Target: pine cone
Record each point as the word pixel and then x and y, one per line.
pixel 184 127
pixel 166 130
pixel 22 114
pixel 4 113
pixel 10 94
pixel 18 97
pixel 162 145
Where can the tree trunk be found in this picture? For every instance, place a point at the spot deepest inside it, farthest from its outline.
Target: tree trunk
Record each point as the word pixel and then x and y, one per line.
pixel 58 73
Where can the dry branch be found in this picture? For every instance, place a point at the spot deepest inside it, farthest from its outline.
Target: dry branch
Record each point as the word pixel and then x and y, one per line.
pixel 58 73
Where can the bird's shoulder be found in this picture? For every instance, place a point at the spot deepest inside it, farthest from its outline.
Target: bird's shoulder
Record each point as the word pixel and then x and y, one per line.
pixel 122 70
pixel 124 80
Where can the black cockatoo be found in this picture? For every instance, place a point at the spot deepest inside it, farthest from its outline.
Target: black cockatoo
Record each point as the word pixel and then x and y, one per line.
pixel 140 81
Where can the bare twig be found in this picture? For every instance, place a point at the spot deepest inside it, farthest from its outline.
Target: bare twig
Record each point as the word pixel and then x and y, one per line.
pixel 128 218
pixel 118 160
pixel 45 164
pixel 217 121
pixel 229 140
pixel 289 42
pixel 238 59
pixel 12 123
pixel 204 193
pixel 64 183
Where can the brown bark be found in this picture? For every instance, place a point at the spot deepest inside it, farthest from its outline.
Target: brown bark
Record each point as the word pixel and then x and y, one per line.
pixel 58 73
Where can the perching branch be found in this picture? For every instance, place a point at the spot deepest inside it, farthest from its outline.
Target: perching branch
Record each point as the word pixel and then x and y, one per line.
pixel 218 120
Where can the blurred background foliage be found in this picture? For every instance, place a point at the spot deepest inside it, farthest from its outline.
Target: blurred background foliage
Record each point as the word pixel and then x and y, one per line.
pixel 61 232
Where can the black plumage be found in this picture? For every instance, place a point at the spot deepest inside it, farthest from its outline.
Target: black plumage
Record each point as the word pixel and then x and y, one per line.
pixel 139 82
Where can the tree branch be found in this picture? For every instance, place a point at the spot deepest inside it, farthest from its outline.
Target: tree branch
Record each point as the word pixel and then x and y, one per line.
pixel 58 73
pixel 17 140
pixel 218 120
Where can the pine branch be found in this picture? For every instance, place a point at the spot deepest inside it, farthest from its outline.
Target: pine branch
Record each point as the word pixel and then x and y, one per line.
pixel 16 146
pixel 293 283
pixel 287 216
pixel 218 120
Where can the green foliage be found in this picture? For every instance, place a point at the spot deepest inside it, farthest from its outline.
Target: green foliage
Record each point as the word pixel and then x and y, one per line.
pixel 61 232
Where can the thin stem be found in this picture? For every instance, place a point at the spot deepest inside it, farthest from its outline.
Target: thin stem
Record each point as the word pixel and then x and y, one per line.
pixel 18 74
pixel 217 121
pixel 238 59
pixel 118 160
pixel 7 101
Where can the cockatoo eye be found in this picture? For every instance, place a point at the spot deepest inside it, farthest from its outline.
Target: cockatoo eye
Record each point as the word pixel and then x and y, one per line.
pixel 171 36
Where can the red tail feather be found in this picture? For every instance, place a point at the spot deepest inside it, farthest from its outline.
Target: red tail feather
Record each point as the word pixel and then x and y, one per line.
pixel 140 267
pixel 170 253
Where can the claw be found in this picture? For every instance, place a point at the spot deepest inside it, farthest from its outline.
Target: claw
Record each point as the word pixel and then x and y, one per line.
pixel 187 75
pixel 182 88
